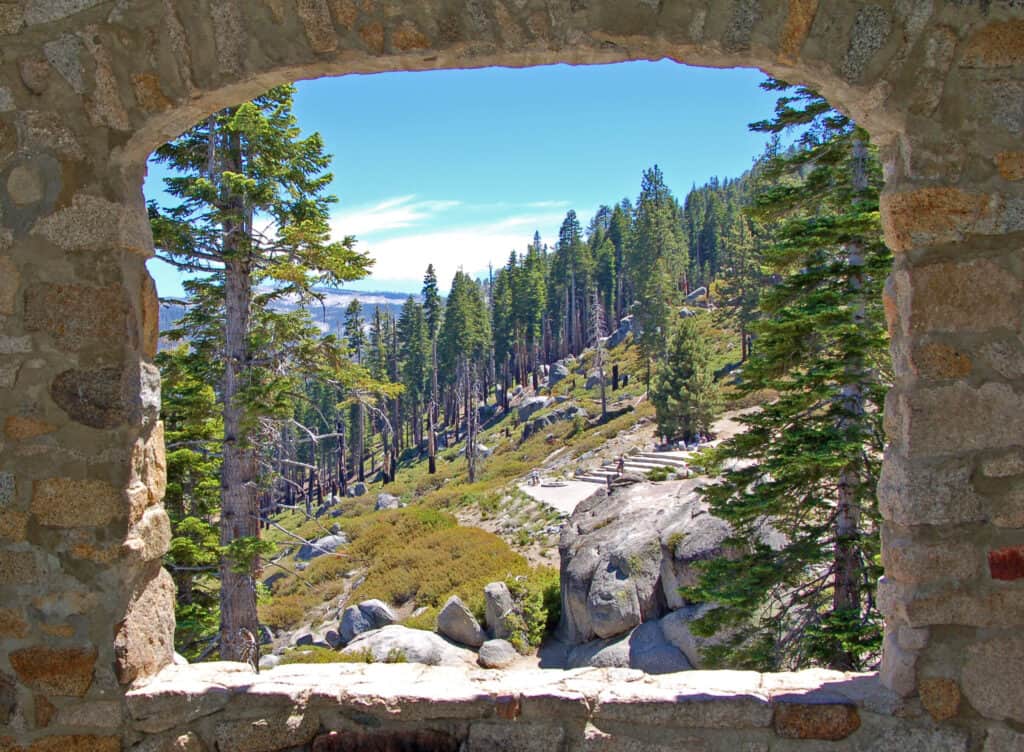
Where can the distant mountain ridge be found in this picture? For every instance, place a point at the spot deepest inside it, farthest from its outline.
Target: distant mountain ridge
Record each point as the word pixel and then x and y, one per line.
pixel 328 315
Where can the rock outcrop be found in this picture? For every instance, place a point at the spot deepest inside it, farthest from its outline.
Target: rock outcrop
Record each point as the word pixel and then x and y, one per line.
pixel 499 606
pixel 569 411
pixel 497 654
pixel 624 558
pixel 326 545
pixel 457 623
pixel 364 617
pixel 386 501
pixel 398 644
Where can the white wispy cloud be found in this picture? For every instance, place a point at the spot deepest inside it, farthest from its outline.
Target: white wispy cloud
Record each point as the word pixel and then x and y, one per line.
pixel 392 214
pixel 404 234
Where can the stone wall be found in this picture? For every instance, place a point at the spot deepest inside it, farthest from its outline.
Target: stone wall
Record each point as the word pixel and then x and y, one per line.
pixel 89 87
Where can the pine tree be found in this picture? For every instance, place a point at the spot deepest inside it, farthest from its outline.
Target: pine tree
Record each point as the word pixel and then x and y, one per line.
pixel 814 452
pixel 252 211
pixel 684 393
pixel 433 313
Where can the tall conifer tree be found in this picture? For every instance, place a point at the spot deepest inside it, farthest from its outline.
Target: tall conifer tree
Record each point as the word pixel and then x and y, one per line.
pixel 815 451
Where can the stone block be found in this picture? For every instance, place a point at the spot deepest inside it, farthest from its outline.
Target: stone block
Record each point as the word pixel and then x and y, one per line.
pixel 19 568
pixel 77 316
pixel 94 224
pixel 1006 509
pixel 149 94
pixel 316 20
pixel 1010 165
pixel 13 624
pixel 871 29
pixel 15 345
pixel 991 677
pixel 997 607
pixel 7 489
pixel 972 296
pixel 267 734
pixel 932 216
pixel 150 312
pixel 683 708
pixel 1002 739
pixel 173 742
pixel 407 37
pixel 144 642
pixel 1005 357
pixel 1004 465
pixel 940 697
pixel 912 638
pixel 21 428
pixel 914 562
pixel 13 526
pixel 150 538
pixel 45 11
pixel 936 360
pixel 105 714
pixel 64 502
pixel 64 672
pixel 927 493
pixel 348 740
pixel 794 719
pixel 899 666
pixel 10 280
pixel 799 17
pixel 988 417
pixel 515 737
pixel 372 35
pixel 76 743
pixel 996 45
pixel 43 710
pixel 94 398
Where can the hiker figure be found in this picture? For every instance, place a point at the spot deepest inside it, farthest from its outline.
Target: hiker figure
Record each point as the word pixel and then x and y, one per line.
pixel 608 482
pixel 620 466
pixel 534 478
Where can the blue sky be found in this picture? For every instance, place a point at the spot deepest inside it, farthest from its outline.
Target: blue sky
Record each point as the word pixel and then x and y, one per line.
pixel 459 168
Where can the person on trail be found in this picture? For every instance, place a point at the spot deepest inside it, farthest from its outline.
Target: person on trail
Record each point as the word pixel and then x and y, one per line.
pixel 534 478
pixel 620 466
pixel 608 482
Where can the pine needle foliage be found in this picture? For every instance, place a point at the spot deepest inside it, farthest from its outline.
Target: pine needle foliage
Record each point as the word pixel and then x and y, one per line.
pixel 800 494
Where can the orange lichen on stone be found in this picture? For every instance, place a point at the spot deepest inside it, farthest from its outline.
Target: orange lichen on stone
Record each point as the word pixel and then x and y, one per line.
pixel 65 672
pixel 828 721
pixel 18 428
pixel 13 526
pixel 12 623
pixel 345 12
pixel 929 216
pixel 797 27
pixel 64 502
pixel 407 37
pixel 373 37
pixel 940 361
pixel 149 94
pixel 940 697
pixel 44 711
pixel 1011 164
pixel 996 45
pixel 76 743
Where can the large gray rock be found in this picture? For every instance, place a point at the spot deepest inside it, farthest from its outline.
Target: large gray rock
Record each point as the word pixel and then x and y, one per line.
pixel 619 335
pixel 319 547
pixel 364 617
pixel 558 372
pixel 593 380
pixel 386 501
pixel 498 607
pixel 457 623
pixel 395 643
pixel 645 648
pixel 357 489
pixel 497 654
pixel 625 556
pixel 529 406
pixel 569 411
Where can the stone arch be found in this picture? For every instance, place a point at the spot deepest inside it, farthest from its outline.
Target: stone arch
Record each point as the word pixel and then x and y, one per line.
pixel 89 87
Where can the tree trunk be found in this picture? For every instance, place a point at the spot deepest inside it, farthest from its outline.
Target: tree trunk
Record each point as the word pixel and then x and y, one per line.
pixel 239 517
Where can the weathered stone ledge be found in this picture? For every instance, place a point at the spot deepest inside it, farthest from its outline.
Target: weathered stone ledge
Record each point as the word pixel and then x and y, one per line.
pixel 227 707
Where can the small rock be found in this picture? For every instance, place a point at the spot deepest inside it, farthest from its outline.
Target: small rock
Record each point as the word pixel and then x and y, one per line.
pixel 357 489
pixel 386 501
pixel 457 623
pixel 365 617
pixel 321 546
pixel 398 644
pixel 497 654
pixel 499 605
pixel 269 661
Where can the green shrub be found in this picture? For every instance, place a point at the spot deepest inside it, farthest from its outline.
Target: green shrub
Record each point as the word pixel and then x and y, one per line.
pixel 426 620
pixel 538 606
pixel 285 612
pixel 658 474
pixel 312 654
